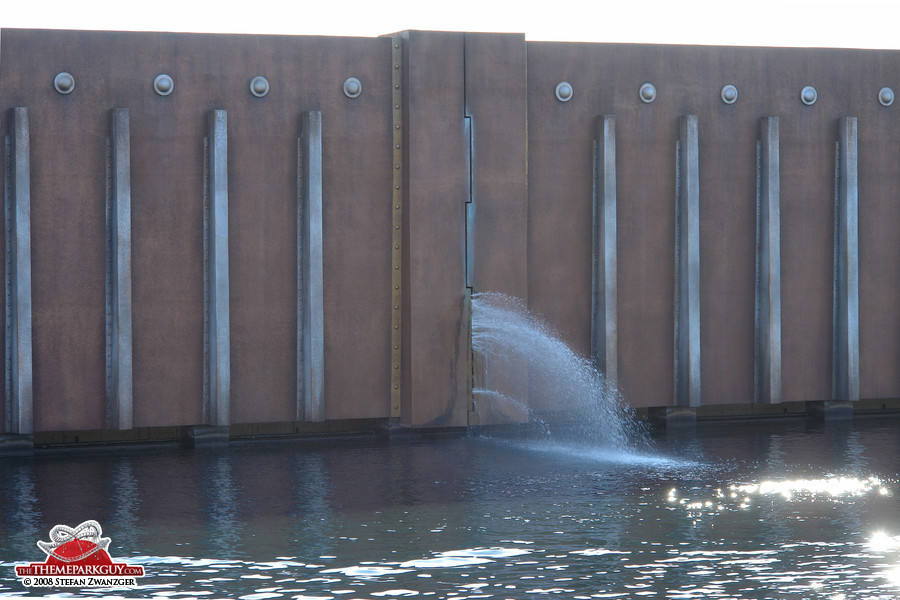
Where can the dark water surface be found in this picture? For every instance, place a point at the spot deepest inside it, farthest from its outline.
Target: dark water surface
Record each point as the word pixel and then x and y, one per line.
pixel 777 510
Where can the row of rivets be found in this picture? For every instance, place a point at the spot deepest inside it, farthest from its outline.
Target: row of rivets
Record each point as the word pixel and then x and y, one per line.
pixel 729 94
pixel 397 217
pixel 163 85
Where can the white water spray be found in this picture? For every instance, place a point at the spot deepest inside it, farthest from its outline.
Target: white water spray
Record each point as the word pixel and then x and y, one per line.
pixel 520 351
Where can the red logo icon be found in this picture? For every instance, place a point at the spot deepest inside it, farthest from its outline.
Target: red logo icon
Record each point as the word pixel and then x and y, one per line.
pixel 78 557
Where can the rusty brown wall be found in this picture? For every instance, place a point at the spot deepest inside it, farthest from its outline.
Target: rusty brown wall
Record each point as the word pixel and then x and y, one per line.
pixel 497 229
pixel 436 185
pixel 527 171
pixel 68 136
pixel 606 80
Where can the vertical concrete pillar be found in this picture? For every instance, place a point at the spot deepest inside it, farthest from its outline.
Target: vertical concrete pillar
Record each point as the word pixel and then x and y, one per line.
pixel 604 342
pixel 19 376
pixel 310 304
pixel 768 262
pixel 119 320
pixel 846 294
pixel 687 266
pixel 218 411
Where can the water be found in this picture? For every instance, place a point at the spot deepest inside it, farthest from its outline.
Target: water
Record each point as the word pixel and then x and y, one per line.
pixel 785 510
pixel 526 366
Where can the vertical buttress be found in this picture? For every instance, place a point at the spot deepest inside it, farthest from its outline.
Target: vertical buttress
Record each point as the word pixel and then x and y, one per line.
pixel 217 413
pixel 119 315
pixel 768 260
pixel 846 322
pixel 310 303
pixel 19 374
pixel 604 342
pixel 687 267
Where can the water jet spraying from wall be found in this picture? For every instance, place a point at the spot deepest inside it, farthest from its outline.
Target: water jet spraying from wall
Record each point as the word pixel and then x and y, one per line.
pixel 526 372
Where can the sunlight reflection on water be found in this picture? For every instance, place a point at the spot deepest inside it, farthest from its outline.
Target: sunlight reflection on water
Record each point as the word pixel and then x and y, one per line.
pixel 787 513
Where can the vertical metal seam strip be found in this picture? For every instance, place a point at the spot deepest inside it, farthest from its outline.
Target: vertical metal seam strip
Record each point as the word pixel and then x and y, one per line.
pixel 311 330
pixel 220 335
pixel 396 224
pixel 468 126
pixel 19 231
pixel 767 362
pixel 596 274
pixel 120 237
pixel 470 206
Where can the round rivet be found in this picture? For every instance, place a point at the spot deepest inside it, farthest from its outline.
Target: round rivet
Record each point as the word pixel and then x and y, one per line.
pixel 396 267
pixel 396 45
pixel 64 83
pixel 396 287
pixel 648 93
pixel 729 94
pixel 396 366
pixel 886 96
pixel 396 326
pixel 259 86
pixel 396 387
pixel 564 91
pixel 396 347
pixel 396 227
pixel 163 84
pixel 809 95
pixel 396 307
pixel 397 206
pixel 352 87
